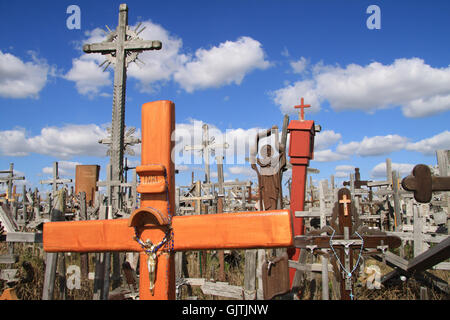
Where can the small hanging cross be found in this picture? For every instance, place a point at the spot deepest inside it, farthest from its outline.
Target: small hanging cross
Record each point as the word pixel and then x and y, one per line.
pixel 302 106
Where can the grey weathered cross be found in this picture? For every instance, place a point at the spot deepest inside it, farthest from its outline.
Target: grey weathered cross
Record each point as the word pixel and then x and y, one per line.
pixel 207 147
pixel 55 180
pixel 9 179
pixel 121 47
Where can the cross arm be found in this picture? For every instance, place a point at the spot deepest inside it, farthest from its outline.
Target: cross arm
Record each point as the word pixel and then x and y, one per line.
pixel 193 148
pixel 369 241
pixel 107 47
pixel 268 229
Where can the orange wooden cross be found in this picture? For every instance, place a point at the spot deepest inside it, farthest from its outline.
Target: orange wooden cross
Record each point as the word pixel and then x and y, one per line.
pixel 302 106
pixel 159 234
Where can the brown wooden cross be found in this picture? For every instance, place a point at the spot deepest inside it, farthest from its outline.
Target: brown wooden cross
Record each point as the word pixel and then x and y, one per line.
pixel 423 184
pixel 149 225
pixel 302 106
pixel 345 236
pixel 358 183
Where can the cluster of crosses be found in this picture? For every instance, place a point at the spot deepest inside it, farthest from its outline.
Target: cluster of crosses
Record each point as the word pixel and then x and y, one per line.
pixel 154 231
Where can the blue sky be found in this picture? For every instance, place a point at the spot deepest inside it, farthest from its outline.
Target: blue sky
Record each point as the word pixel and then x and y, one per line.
pixel 237 66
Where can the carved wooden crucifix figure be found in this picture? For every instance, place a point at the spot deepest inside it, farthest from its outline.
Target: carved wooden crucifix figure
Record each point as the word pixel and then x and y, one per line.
pixel 152 229
pixel 346 236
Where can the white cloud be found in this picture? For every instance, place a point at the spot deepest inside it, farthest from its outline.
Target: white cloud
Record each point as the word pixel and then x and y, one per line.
pixel 345 168
pixel 429 146
pixel 341 174
pixel 62 142
pixel 222 65
pixel 328 155
pixel 299 66
pixel 159 65
pixel 65 168
pixel 285 52
pixel 20 79
pixel 289 97
pixel 379 171
pixel 326 139
pixel 374 146
pixel 88 77
pixel 419 89
pixel 241 170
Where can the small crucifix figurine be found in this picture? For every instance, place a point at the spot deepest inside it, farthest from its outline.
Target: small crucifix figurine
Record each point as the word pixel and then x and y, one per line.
pixel 345 237
pixel 302 106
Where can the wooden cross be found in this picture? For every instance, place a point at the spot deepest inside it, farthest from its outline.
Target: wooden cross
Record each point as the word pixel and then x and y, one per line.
pixel 423 184
pixel 9 179
pixel 207 147
pixel 120 48
pixel 345 236
pixel 55 180
pixel 153 221
pixel 358 183
pixel 345 201
pixel 302 106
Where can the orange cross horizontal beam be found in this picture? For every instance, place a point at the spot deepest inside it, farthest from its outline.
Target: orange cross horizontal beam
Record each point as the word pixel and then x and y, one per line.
pixel 268 229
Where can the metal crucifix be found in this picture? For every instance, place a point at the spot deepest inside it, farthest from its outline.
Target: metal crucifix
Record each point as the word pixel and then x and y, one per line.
pixel 346 236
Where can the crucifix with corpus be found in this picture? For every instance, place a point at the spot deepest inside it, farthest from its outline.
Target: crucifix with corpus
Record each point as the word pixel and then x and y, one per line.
pixel 153 231
pixel 345 237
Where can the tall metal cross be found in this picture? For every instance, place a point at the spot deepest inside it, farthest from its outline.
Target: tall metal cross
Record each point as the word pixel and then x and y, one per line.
pixel 9 180
pixel 121 47
pixel 302 106
pixel 207 148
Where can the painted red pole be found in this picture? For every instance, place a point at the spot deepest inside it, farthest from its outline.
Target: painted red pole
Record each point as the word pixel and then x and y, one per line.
pixel 301 151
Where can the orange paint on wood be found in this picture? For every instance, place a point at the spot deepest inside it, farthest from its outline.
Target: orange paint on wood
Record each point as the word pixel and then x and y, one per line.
pixel 267 229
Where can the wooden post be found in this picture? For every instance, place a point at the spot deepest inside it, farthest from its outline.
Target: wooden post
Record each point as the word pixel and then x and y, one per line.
pixel 443 163
pixel 52 258
pixel 250 275
pixel 220 198
pixel 323 223
pixel 389 170
pixel 84 257
pixel 397 211
pixel 417 231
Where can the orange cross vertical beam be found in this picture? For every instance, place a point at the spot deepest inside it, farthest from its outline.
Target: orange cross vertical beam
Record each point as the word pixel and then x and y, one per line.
pixel 153 221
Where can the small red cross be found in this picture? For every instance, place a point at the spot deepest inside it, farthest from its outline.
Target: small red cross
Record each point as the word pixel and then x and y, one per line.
pixel 302 107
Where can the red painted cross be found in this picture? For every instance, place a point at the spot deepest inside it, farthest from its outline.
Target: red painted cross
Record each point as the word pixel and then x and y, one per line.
pixel 302 106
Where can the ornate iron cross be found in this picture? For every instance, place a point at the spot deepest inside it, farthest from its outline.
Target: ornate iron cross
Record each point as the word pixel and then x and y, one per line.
pixel 120 48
